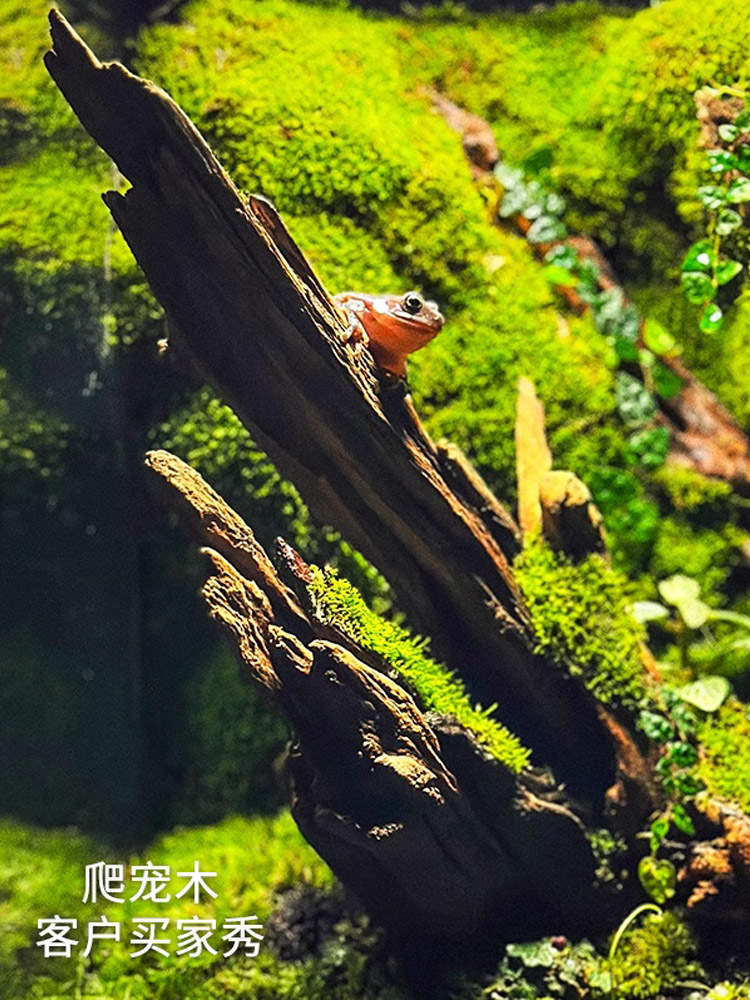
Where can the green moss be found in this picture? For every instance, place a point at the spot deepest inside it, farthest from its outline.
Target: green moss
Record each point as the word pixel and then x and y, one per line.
pixel 690 492
pixel 581 621
pixel 725 753
pixel 654 958
pixel 704 553
pixel 43 874
pixel 339 604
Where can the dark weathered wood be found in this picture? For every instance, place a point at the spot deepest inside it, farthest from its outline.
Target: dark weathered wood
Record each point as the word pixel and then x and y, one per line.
pixel 242 304
pixel 437 838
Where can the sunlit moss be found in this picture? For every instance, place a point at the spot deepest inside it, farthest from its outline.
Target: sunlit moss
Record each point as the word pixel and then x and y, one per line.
pixel 725 753
pixel 654 957
pixel 581 621
pixel 338 603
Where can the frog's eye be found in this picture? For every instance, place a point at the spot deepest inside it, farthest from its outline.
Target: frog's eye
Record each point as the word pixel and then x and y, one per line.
pixel 413 303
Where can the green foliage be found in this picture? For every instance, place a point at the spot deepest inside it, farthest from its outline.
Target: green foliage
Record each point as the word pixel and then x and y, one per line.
pixel 653 958
pixel 207 435
pixel 725 759
pixel 690 492
pixel 227 744
pixel 706 554
pixel 43 874
pixel 40 875
pixel 338 603
pixel 552 967
pixel 582 621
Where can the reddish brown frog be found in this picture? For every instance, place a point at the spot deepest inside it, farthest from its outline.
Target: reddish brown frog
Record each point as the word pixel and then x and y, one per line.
pixel 394 326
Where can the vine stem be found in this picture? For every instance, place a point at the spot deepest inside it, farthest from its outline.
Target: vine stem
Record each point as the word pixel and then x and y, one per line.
pixel 643 908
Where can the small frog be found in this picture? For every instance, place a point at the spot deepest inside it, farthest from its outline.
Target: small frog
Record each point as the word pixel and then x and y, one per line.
pixel 392 325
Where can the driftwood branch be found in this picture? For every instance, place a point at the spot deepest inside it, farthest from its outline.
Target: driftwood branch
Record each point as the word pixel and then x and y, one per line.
pixel 438 839
pixel 244 306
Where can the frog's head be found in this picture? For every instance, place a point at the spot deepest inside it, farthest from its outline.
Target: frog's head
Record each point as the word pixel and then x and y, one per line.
pixel 397 325
pixel 416 312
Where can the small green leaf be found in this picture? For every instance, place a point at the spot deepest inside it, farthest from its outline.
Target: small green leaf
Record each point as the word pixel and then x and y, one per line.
pixel 711 319
pixel 697 286
pixel 727 270
pixel 678 588
pixel 556 274
pixel 563 254
pixel 681 819
pixel 694 613
pixel 657 338
pixel 655 726
pixel 683 754
pixel 635 404
pixel 658 878
pixel 707 693
pixel 720 160
pixel 659 830
pixel 728 133
pixel 666 382
pixel 625 349
pixel 648 611
pixel 700 257
pixel 743 119
pixel 712 196
pixel 739 191
pixel 649 447
pixel 546 229
pixel 727 221
pixel 688 784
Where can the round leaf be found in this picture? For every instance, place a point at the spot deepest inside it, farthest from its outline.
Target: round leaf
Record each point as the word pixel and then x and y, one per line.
pixel 657 338
pixel 678 588
pixel 648 611
pixel 739 191
pixel 707 693
pixel 728 220
pixel 697 286
pixel 728 133
pixel 712 318
pixel 727 270
pixel 712 196
pixel 546 229
pixel 658 878
pixel 694 613
pixel 700 257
